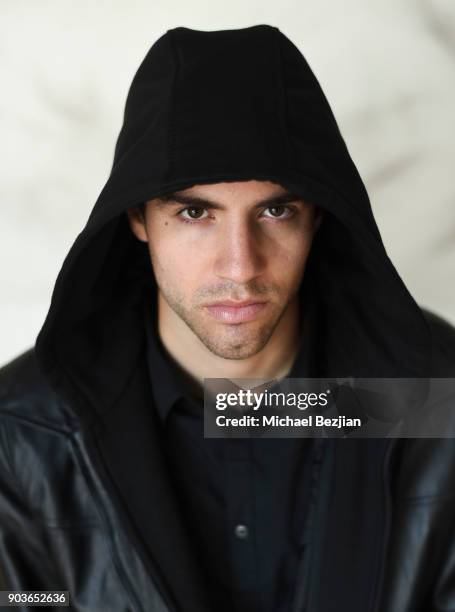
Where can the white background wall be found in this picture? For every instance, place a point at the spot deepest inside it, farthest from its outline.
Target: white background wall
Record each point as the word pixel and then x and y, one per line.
pixel 387 67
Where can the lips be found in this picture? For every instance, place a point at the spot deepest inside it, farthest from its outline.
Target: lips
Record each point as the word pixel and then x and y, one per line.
pixel 229 311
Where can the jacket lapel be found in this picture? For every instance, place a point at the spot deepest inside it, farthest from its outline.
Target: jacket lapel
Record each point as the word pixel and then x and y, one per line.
pixel 129 446
pixel 347 531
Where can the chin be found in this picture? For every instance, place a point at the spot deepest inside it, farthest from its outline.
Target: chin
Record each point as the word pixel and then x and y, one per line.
pixel 237 345
pixel 234 353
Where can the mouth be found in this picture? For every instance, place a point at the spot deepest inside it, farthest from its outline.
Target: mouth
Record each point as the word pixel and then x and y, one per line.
pixel 229 311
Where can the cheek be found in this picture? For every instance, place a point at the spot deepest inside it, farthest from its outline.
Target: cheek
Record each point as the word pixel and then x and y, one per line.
pixel 175 265
pixel 287 257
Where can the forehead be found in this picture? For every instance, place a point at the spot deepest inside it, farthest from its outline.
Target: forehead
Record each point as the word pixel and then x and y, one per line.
pixel 250 190
pixel 229 195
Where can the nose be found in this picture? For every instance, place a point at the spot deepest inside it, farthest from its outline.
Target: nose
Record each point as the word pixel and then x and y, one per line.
pixel 240 252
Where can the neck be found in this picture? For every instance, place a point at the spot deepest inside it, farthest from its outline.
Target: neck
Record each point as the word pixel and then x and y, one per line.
pixel 274 361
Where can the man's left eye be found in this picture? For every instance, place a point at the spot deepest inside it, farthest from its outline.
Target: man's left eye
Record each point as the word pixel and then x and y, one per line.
pixel 278 212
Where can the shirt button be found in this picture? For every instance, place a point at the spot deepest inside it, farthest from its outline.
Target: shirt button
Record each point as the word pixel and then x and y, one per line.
pixel 241 531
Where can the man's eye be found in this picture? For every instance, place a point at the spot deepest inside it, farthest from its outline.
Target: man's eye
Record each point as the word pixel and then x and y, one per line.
pixel 278 212
pixel 193 213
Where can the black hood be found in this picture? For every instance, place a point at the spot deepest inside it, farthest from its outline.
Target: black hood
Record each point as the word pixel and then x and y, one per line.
pixel 206 107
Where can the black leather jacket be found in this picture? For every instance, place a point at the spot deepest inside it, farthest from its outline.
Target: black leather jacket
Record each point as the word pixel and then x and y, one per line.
pixel 60 528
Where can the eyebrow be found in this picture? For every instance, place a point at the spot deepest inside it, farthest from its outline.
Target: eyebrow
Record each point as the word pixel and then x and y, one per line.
pixel 189 200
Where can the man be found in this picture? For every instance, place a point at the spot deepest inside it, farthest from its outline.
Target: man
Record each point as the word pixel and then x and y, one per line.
pixel 234 239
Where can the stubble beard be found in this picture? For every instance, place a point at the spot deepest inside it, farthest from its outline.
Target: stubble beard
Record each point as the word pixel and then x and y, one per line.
pixel 228 341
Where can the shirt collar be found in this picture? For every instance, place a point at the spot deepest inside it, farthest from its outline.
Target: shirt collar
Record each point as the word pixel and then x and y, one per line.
pixel 306 362
pixel 168 385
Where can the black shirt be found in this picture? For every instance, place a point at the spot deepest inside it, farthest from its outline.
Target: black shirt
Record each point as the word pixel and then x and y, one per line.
pixel 243 499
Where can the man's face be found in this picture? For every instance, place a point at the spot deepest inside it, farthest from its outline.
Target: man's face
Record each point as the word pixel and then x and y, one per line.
pixel 228 259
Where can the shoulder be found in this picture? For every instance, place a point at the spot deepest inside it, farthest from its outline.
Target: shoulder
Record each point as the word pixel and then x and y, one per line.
pixel 427 469
pixel 26 396
pixel 39 476
pixel 443 336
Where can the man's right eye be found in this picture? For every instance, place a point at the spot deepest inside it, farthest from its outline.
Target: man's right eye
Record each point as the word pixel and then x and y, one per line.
pixel 192 213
